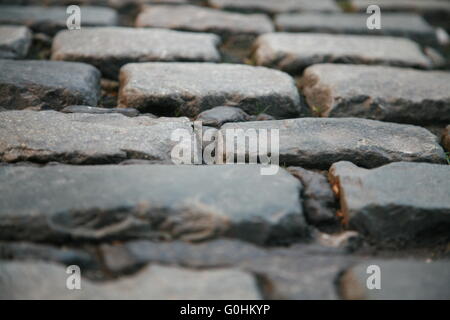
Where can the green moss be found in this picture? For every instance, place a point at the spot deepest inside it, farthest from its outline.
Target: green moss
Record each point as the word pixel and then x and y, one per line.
pixel 316 110
pixel 346 6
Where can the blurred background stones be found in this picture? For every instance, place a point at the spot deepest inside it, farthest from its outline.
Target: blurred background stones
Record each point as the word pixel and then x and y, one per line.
pixel 86 149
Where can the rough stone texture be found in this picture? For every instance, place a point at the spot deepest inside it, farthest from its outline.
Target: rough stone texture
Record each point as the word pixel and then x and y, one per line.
pixel 48 281
pixel 129 112
pixel 402 204
pixel 400 280
pixel 114 225
pixel 217 116
pixel 446 138
pixel 110 48
pixel 52 19
pixel 377 92
pixel 149 201
pixel 320 142
pixel 319 200
pixel 47 84
pixel 272 7
pixel 300 272
pixel 14 42
pixel 198 19
pixel 406 25
pixel 190 88
pixel 86 138
pixel 294 52
pixel 32 252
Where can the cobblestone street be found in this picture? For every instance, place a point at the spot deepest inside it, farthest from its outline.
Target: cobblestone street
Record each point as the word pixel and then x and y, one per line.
pixel 90 175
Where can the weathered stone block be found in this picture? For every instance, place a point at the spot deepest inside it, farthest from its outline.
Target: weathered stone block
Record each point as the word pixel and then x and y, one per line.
pixel 400 204
pixel 79 138
pixel 192 203
pixel 319 142
pixel 201 19
pixel 292 52
pixel 40 84
pixel 110 48
pixel 377 92
pixel 190 88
